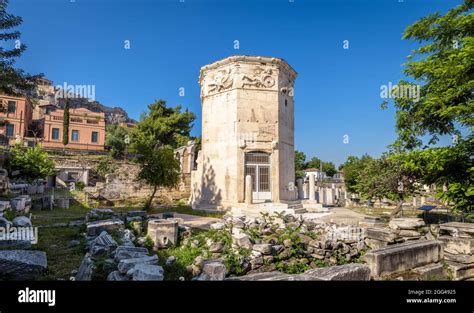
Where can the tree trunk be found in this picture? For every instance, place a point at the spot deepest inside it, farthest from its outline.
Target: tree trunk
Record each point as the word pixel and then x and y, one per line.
pixel 397 210
pixel 150 200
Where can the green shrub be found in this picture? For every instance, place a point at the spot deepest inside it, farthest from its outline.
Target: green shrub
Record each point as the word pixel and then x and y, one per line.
pixel 80 185
pixel 234 261
pixel 293 266
pixel 149 244
pixel 10 214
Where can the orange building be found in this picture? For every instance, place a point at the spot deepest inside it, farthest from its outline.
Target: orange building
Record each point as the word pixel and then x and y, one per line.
pixel 86 129
pixel 16 115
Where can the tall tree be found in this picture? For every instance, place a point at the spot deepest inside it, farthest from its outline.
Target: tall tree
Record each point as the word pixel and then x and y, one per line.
pixel 159 131
pixel 159 168
pixel 115 139
pixel 328 167
pixel 352 169
pixel 66 123
pixel 387 178
pixel 167 125
pixel 443 68
pixel 13 81
pixel 315 162
pixel 300 159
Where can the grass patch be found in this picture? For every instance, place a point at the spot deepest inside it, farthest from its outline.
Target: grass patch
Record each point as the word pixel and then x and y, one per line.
pixel 62 259
pixel 184 257
pixel 76 211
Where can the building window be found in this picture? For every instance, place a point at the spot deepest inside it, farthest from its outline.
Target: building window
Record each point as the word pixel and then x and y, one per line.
pixel 55 134
pixel 95 137
pixel 10 130
pixel 11 107
pixel 75 135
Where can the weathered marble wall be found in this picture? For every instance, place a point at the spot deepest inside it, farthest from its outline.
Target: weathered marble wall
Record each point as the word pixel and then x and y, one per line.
pixel 122 184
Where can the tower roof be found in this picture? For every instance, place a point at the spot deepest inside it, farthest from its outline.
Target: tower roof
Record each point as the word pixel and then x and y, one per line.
pixel 248 59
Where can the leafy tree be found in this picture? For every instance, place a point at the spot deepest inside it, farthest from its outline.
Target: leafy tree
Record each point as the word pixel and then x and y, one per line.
pixel 167 125
pixel 328 167
pixel 315 162
pixel 30 163
pixel 443 68
pixel 300 158
pixel 449 168
pixel 13 81
pixel 159 169
pixel 352 169
pixel 115 139
pixel 66 123
pixel 153 139
pixel 386 178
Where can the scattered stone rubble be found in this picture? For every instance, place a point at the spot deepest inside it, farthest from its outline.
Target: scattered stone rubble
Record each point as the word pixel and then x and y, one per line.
pixel 272 247
pixel 275 243
pixel 458 243
pixel 22 264
pixel 110 250
pixel 16 263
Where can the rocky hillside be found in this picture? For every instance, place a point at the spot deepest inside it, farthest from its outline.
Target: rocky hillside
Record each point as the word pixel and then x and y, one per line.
pixel 113 115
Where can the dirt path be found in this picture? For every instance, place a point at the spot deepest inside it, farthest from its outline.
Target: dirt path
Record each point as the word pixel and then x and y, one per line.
pixel 342 215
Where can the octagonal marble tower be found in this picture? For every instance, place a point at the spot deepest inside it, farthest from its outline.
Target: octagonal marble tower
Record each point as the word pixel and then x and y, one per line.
pixel 247 129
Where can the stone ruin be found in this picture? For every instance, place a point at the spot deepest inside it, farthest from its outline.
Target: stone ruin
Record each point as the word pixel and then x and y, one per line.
pixel 4 181
pixel 107 240
pixel 404 249
pixel 16 261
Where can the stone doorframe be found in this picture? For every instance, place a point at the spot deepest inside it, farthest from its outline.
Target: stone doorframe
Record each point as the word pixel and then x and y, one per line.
pixel 258 165
pixel 273 171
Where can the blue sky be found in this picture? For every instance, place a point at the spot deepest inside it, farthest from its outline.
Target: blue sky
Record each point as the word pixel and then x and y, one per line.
pixel 337 91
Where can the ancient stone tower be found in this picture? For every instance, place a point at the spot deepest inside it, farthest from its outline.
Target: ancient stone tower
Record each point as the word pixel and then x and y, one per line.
pixel 247 129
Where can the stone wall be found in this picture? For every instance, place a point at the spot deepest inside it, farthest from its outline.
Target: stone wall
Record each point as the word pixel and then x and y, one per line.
pixel 122 184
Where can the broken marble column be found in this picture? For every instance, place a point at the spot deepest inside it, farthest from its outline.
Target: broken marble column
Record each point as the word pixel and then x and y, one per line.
pixel 312 205
pixel 402 257
pixel 22 264
pixel 248 189
pixel 329 196
pixel 299 184
pixel 147 272
pixel 111 225
pixel 312 191
pixel 164 233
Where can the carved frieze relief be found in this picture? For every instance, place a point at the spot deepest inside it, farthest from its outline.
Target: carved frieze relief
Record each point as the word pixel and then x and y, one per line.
pixel 261 78
pixel 222 80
